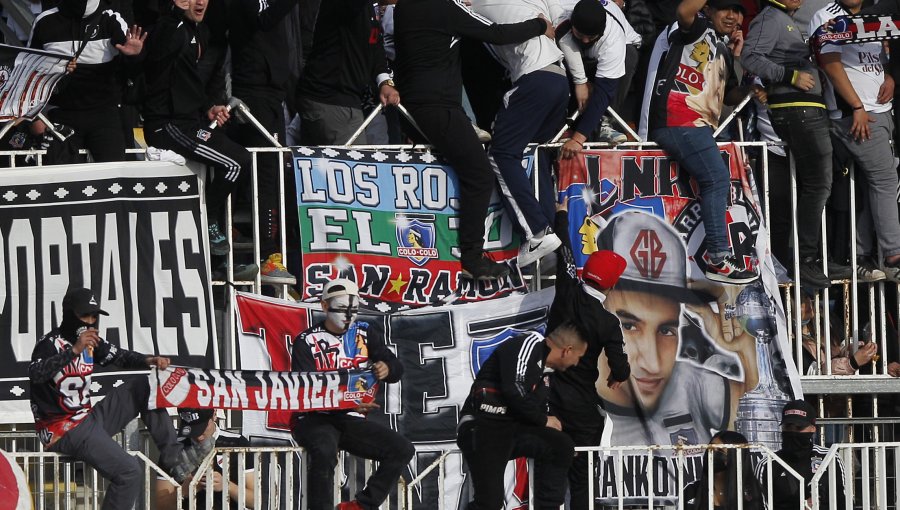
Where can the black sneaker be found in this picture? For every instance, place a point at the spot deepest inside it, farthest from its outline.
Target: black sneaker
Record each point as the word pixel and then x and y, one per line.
pixel 484 268
pixel 218 243
pixel 839 271
pixel 729 271
pixel 811 274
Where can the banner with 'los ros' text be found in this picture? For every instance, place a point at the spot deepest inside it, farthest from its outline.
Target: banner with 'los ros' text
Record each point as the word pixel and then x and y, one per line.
pixel 388 219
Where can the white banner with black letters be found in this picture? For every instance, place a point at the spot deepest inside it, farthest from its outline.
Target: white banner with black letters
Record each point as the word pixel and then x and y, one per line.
pixel 134 233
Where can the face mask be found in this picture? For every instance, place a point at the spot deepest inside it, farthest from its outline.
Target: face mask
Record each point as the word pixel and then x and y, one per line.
pixel 342 311
pixel 797 442
pixel 71 324
pixel 804 322
pixel 720 461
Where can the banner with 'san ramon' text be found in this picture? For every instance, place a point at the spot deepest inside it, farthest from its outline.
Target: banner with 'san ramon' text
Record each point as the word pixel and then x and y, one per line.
pixel 27 79
pixel 441 349
pixel 134 233
pixel 704 356
pixel 388 220
pixel 260 390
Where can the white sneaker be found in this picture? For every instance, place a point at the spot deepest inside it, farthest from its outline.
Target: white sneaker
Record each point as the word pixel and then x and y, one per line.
pixel 483 136
pixel 154 154
pixel 532 250
pixel 609 135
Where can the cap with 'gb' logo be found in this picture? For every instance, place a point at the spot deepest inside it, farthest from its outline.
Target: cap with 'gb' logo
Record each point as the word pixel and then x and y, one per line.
pixel 656 255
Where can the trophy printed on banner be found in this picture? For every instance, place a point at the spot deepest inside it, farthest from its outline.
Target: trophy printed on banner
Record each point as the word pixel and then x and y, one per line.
pixel 759 410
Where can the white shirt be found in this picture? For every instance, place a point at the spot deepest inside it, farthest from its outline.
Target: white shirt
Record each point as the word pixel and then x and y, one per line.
pixel 864 64
pixel 609 49
pixel 533 54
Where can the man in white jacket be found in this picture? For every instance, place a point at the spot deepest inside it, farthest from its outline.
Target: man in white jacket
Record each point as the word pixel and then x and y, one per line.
pixel 532 111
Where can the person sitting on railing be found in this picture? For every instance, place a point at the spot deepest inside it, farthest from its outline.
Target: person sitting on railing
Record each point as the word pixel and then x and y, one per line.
pixel 196 426
pixel 684 110
pixel 505 417
pixel 177 112
pixel 725 490
pixel 798 450
pixel 340 342
pixel 60 375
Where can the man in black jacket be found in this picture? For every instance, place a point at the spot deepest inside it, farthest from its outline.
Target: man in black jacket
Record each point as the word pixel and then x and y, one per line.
pixel 260 76
pixel 426 36
pixel 799 451
pixel 177 112
pixel 60 374
pixel 347 57
pixel 573 395
pixel 505 416
pixel 340 342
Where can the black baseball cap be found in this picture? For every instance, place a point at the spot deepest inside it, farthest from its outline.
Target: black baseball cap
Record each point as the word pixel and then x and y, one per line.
pixel 81 302
pixel 589 17
pixel 798 412
pixel 727 4
pixel 193 422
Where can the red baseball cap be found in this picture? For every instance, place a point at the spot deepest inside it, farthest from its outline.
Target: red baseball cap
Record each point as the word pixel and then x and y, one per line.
pixel 603 269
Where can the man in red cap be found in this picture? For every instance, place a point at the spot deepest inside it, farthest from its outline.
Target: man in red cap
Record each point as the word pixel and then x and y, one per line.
pixel 573 397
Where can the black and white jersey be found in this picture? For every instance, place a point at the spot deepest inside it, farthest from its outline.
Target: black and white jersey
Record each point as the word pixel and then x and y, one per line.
pixel 61 381
pixel 510 384
pixel 93 39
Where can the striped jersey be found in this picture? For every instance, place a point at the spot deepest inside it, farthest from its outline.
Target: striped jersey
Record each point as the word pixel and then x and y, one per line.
pixel 510 384
pixel 93 39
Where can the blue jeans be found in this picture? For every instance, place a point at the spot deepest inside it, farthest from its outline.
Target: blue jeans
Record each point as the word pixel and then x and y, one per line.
pixel 697 153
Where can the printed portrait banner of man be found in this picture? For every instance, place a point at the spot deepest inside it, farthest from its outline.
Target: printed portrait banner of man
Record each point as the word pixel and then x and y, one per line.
pixel 27 79
pixel 704 356
pixel 441 348
pixel 133 233
pixel 388 220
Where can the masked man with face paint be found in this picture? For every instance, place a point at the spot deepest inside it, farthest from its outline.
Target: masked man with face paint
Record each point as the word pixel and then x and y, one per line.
pixel 60 373
pixel 799 451
pixel 339 343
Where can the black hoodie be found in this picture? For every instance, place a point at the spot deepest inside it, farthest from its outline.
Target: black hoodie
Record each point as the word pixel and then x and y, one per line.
pixel 91 30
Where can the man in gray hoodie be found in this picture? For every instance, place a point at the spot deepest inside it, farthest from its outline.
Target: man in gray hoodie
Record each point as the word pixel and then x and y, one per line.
pixel 775 51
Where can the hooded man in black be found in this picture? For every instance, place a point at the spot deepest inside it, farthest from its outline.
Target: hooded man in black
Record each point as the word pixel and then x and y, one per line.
pixel 66 421
pixel 88 99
